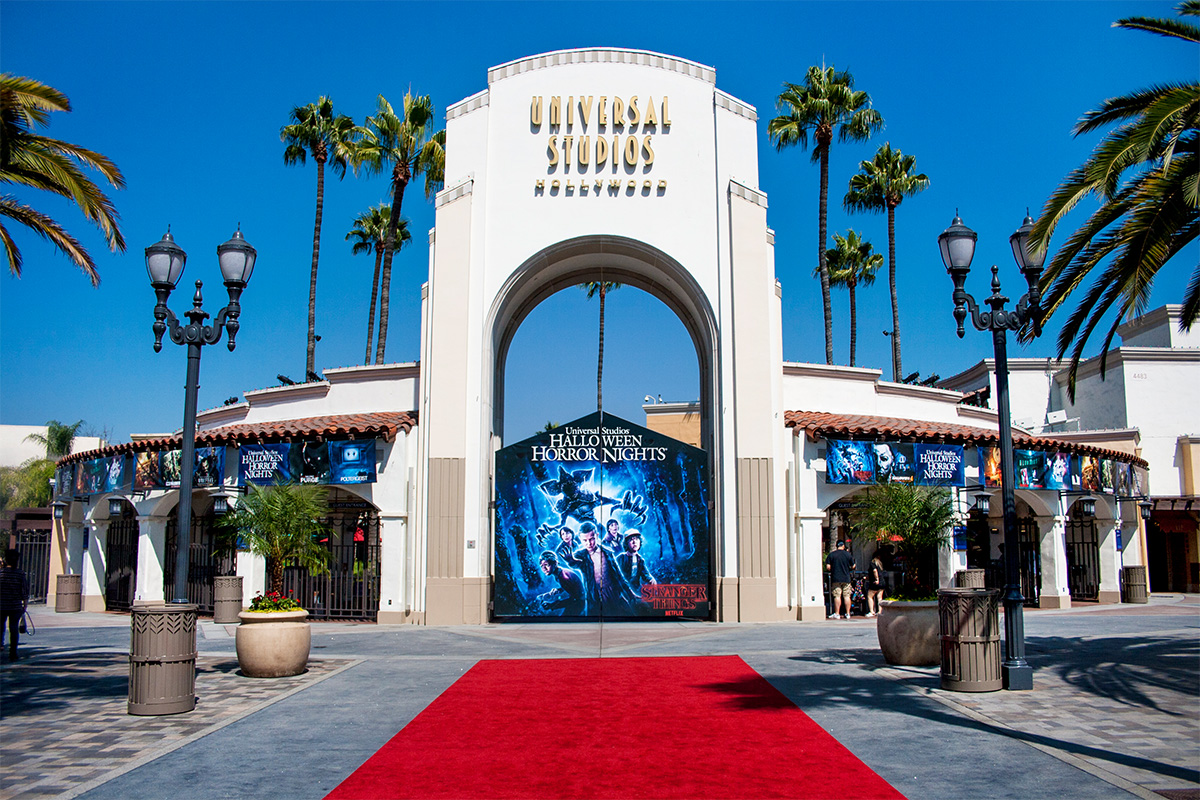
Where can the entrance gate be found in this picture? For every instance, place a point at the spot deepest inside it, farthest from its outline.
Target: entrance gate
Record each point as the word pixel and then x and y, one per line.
pixel 1030 540
pixel 350 590
pixel 33 543
pixel 208 557
pixel 120 561
pixel 1083 559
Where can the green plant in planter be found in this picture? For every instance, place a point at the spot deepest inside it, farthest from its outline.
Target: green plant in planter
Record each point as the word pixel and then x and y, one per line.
pixel 282 523
pixel 914 518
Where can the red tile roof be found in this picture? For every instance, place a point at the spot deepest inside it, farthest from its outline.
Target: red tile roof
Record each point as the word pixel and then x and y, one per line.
pixel 826 425
pixel 383 424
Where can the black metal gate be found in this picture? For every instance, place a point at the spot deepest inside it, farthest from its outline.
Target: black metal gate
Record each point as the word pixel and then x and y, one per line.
pixel 120 561
pixel 1030 541
pixel 1083 559
pixel 350 590
pixel 208 557
pixel 34 546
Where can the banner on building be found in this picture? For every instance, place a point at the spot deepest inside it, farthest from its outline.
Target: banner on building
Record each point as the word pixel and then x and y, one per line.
pixel 602 518
pixel 865 463
pixel 1062 471
pixel 161 469
pixel 100 475
pixel 338 462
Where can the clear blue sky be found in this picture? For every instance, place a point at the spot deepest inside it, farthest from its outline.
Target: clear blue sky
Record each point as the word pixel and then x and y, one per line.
pixel 188 99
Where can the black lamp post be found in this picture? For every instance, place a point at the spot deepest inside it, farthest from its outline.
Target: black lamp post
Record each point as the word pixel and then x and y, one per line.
pixel 957 244
pixel 165 261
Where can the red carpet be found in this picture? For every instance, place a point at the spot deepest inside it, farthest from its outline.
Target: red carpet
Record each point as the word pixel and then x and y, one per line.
pixel 613 728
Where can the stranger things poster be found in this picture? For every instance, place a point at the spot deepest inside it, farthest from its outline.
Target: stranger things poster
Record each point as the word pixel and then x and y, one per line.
pixel 601 518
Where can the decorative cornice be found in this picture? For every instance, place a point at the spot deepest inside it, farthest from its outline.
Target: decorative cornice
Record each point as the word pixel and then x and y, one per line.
pixel 916 390
pixel 404 369
pixel 731 103
pixel 472 103
pixel 299 391
pixel 805 370
pixel 739 189
pixel 452 193
pixel 603 55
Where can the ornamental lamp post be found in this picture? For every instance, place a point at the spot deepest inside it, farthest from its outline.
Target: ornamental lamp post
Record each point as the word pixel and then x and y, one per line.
pixel 165 261
pixel 957 244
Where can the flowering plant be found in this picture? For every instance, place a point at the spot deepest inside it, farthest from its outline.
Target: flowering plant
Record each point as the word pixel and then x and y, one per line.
pixel 274 601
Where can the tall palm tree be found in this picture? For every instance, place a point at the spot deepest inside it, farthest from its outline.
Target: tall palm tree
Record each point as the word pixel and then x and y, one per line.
pixel 825 101
pixel 369 234
pixel 28 158
pixel 316 131
pixel 852 261
pixel 601 288
pixel 58 438
pixel 881 185
pixel 408 145
pixel 1144 173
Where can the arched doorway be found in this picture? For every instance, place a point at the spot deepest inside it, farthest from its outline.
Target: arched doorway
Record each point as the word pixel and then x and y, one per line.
pixel 349 590
pixel 120 559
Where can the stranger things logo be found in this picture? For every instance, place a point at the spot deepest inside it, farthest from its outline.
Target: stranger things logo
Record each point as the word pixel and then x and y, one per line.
pixel 601 518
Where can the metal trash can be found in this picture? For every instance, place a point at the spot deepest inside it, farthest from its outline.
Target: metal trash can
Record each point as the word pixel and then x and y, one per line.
pixel 227 599
pixel 970 637
pixel 68 594
pixel 162 660
pixel 1133 584
pixel 970 579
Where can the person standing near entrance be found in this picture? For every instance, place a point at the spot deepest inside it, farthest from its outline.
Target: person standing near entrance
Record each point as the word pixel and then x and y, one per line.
pixel 14 596
pixel 874 586
pixel 840 566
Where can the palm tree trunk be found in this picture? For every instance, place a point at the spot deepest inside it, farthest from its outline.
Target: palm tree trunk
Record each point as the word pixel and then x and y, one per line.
pixel 897 370
pixel 822 233
pixel 853 322
pixel 310 361
pixel 385 279
pixel 600 360
pixel 374 297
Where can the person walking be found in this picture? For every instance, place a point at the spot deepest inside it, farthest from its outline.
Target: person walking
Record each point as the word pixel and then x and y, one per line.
pixel 14 597
pixel 874 586
pixel 840 566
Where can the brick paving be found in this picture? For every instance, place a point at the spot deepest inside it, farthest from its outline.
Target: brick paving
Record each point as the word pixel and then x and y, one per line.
pixel 66 725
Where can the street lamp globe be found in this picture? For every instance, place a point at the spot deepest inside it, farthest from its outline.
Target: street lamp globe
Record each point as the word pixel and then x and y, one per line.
pixel 957 244
pixel 165 261
pixel 237 259
pixel 1028 260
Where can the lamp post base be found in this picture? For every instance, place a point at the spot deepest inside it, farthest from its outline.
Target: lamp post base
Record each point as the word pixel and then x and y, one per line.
pixel 1017 677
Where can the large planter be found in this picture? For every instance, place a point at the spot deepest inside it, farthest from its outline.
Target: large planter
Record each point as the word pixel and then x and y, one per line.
pixel 909 632
pixel 273 644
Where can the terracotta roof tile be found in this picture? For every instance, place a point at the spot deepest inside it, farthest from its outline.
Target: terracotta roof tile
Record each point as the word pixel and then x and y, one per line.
pixel 381 424
pixel 826 425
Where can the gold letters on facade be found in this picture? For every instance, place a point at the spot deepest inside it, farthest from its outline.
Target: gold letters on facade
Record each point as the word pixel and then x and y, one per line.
pixel 590 134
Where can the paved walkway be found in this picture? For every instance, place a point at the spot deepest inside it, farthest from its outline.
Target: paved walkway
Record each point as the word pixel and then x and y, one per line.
pixel 1115 711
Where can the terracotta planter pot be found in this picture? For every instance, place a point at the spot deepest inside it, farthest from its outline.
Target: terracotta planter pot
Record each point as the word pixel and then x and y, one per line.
pixel 273 644
pixel 909 632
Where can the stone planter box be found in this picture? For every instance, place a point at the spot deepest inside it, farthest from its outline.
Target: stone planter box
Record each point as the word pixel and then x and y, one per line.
pixel 909 632
pixel 273 644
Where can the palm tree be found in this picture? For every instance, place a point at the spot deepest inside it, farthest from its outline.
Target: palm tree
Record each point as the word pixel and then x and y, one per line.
pixel 881 185
pixel 315 131
pixel 282 524
pixel 825 101
pixel 601 288
pixel 852 261
pixel 410 147
pixel 369 234
pixel 58 438
pixel 30 159
pixel 1144 173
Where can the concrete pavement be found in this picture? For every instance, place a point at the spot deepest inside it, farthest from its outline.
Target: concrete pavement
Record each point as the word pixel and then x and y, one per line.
pixel 1115 710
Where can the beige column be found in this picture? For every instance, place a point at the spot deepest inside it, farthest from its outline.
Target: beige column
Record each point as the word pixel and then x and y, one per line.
pixel 1054 592
pixel 93 567
pixel 1110 561
pixel 151 555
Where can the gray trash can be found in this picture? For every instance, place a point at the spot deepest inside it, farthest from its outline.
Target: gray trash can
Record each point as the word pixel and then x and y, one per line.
pixel 227 599
pixel 1133 584
pixel 68 594
pixel 969 579
pixel 970 636
pixel 162 659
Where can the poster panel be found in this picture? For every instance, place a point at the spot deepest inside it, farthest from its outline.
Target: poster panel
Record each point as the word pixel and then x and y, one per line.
pixel 1057 472
pixel 1123 479
pixel 940 464
pixel 352 461
pixel 1030 468
pixel 91 476
pixel 170 467
pixel 895 462
pixel 310 462
pixel 146 472
pixel 849 462
pixel 989 466
pixel 601 518
pixel 1089 473
pixel 264 464
pixel 210 466
pixel 113 472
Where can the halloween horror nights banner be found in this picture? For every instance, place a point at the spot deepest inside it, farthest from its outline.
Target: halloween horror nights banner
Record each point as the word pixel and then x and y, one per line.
pixel 894 462
pixel 602 518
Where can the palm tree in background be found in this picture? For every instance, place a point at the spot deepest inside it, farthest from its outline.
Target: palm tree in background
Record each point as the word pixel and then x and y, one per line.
pixel 369 234
pixel 601 288
pixel 410 147
pixel 316 131
pixel 880 186
pixel 58 438
pixel 825 101
pixel 28 158
pixel 1145 175
pixel 852 261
